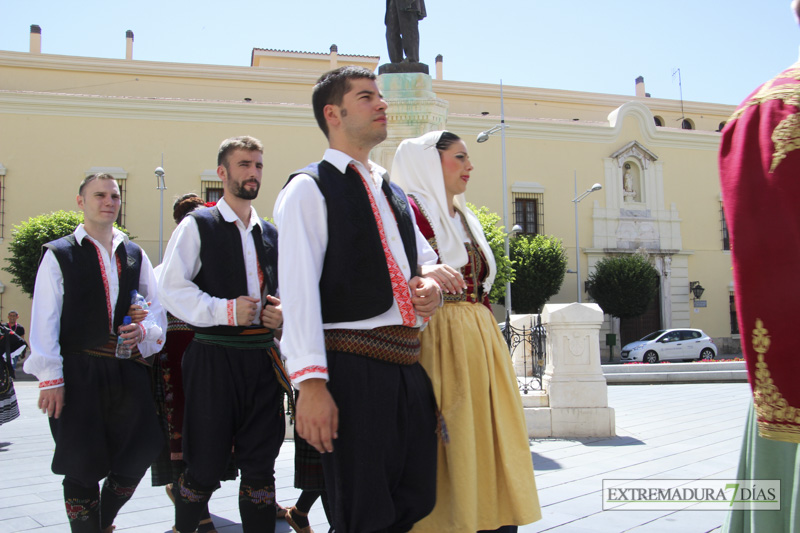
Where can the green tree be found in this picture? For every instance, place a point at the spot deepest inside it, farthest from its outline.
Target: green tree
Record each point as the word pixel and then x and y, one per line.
pixel 495 235
pixel 27 240
pixel 623 286
pixel 540 264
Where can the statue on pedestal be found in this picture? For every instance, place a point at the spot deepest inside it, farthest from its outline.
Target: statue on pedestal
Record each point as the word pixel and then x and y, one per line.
pixel 402 36
pixel 628 190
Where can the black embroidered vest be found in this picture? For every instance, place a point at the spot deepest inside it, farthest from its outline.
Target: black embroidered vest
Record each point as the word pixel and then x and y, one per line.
pixel 222 273
pixel 355 283
pixel 84 315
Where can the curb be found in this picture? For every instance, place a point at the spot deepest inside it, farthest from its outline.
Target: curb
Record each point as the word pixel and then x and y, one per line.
pixel 733 372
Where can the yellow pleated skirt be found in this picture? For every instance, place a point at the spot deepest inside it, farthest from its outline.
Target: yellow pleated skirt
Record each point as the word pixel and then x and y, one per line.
pixel 485 471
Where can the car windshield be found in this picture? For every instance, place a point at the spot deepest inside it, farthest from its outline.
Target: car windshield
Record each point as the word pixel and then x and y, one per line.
pixel 652 335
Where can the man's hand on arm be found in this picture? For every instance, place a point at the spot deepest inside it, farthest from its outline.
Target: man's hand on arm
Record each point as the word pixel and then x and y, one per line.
pixel 317 415
pixel 51 401
pixel 448 278
pixel 246 308
pixel 425 295
pixel 272 313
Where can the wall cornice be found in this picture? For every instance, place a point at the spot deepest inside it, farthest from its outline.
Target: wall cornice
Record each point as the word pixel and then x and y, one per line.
pixel 265 74
pixel 31 103
pixel 590 132
pixel 154 68
pixel 443 88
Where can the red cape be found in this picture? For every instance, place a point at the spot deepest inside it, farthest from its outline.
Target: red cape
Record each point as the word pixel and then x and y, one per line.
pixel 759 166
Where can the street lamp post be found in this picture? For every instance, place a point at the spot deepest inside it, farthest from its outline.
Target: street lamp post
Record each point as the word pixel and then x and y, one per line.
pixel 161 185
pixel 483 137
pixel 584 194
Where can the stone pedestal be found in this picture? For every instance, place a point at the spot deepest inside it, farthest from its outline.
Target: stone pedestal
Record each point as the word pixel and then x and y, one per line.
pixel 403 68
pixel 573 381
pixel 413 110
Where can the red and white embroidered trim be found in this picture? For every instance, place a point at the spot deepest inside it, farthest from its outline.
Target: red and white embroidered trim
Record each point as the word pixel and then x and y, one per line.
pixel 309 370
pixel 51 383
pixel 105 282
pixel 104 275
pixel 260 276
pixel 231 313
pixel 399 284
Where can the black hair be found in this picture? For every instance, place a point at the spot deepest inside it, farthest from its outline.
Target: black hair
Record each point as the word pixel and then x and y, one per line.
pixel 447 138
pixel 244 142
pixel 331 88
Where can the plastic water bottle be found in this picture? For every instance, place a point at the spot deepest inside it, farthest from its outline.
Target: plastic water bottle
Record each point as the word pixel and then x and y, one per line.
pixel 138 299
pixel 124 350
pixel 149 323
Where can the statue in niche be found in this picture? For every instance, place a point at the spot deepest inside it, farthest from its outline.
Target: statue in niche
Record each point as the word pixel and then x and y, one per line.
pixel 402 32
pixel 628 187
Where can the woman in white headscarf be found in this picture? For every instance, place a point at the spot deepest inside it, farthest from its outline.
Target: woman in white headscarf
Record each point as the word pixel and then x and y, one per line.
pixel 485 471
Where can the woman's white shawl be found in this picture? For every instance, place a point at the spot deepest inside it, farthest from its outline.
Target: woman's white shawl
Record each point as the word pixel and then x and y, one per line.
pixel 417 168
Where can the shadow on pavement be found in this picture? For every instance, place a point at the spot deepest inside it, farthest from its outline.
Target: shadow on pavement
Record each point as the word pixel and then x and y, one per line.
pixel 543 463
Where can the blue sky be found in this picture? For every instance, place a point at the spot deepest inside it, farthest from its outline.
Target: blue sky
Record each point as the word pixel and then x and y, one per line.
pixel 723 48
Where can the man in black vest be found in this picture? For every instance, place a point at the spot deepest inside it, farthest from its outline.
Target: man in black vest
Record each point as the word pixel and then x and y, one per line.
pixel 354 301
pixel 102 414
pixel 17 328
pixel 220 276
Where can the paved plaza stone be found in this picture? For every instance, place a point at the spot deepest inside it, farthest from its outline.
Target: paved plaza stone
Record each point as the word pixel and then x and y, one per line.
pixel 663 431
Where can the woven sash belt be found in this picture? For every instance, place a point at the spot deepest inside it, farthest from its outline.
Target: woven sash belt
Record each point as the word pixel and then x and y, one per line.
pixel 249 339
pixel 398 345
pixel 109 349
pixel 254 339
pixel 463 297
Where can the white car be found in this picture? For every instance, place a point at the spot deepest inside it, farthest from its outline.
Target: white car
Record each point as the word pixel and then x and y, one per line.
pixel 669 344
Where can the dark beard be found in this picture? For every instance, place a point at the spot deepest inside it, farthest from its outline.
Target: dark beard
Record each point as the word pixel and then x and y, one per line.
pixel 239 191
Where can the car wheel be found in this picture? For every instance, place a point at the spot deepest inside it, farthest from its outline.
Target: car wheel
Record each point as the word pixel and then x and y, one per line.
pixel 650 357
pixel 707 353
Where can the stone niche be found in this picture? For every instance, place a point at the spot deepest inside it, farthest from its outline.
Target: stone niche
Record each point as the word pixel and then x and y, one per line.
pixel 635 216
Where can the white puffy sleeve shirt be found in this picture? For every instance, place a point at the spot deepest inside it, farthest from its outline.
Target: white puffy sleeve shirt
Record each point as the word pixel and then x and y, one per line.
pixel 302 219
pixel 45 361
pixel 182 297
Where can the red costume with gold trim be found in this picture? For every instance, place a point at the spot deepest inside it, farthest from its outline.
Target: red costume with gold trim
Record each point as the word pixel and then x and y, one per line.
pixel 759 165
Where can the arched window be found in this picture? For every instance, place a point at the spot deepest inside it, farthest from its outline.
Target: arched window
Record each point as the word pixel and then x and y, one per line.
pixel 658 120
pixel 687 124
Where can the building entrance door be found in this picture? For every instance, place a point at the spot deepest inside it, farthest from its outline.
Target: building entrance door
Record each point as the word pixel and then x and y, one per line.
pixel 633 329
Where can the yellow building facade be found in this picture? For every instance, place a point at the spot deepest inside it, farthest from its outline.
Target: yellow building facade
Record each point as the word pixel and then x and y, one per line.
pixel 64 117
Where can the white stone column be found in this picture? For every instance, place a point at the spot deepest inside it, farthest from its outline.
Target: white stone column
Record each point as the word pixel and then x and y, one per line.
pixel 573 380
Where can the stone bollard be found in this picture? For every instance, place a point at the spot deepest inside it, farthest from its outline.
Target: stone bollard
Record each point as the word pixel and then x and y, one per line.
pixel 573 380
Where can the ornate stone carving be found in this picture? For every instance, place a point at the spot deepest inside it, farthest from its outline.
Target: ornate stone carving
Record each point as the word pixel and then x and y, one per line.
pixel 635 150
pixel 577 344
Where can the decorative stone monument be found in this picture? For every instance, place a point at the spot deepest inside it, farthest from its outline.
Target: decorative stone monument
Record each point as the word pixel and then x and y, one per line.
pixel 404 82
pixel 576 389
